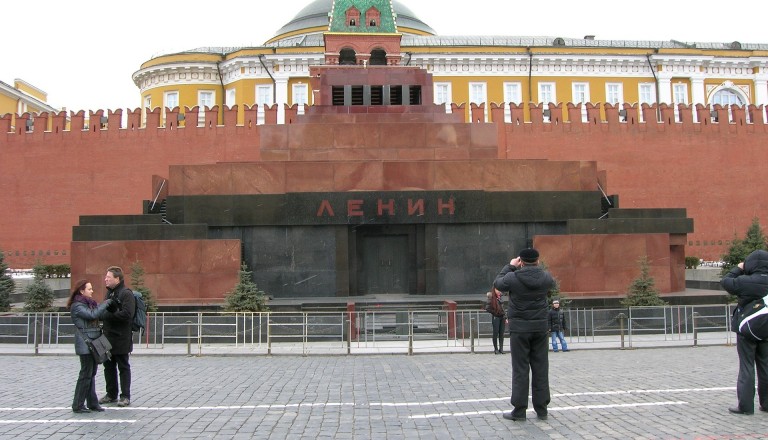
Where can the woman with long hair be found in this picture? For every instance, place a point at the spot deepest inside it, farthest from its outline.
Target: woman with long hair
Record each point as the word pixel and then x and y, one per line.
pixel 498 319
pixel 85 313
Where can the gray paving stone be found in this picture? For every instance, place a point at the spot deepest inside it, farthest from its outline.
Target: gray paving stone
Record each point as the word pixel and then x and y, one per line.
pixel 665 393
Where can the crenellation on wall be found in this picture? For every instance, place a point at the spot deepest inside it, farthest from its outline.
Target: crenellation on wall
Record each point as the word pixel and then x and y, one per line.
pixel 604 116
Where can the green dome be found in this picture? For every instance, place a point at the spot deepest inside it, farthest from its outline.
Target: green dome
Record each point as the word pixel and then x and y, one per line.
pixel 316 14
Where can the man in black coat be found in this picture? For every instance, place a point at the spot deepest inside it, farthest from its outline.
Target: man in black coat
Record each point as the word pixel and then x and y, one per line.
pixel 117 328
pixel 749 282
pixel 528 286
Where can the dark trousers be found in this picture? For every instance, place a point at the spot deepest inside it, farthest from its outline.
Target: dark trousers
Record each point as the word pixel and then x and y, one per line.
pixel 752 356
pixel 530 353
pixel 118 361
pixel 498 332
pixel 85 389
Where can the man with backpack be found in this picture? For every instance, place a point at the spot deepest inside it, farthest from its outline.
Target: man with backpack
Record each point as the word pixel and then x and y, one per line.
pixel 749 282
pixel 118 322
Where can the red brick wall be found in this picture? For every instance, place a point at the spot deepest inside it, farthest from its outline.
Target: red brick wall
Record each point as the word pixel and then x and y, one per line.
pixel 48 179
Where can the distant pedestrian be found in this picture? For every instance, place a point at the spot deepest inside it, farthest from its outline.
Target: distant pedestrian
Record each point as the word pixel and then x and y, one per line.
pixel 557 326
pixel 117 328
pixel 749 281
pixel 528 285
pixel 498 319
pixel 85 315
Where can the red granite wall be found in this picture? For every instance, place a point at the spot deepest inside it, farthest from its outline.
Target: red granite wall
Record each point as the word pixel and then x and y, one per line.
pixel 176 271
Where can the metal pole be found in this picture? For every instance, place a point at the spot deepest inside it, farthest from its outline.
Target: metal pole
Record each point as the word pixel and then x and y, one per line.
pixel 695 331
pixel 471 335
pixel 622 317
pixel 349 334
pixel 189 338
pixel 410 333
pixel 269 336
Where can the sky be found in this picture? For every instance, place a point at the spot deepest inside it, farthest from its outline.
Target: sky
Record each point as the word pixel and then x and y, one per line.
pixel 84 53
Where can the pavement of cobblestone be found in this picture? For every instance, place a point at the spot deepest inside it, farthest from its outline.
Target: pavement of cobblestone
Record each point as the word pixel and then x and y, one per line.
pixel 660 393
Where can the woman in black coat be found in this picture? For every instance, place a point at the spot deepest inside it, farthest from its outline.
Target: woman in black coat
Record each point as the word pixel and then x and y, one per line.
pixel 85 313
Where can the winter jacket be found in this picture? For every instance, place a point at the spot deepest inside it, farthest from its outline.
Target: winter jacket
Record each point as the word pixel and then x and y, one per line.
pixel 749 284
pixel 528 287
pixel 557 320
pixel 87 320
pixel 752 282
pixel 118 320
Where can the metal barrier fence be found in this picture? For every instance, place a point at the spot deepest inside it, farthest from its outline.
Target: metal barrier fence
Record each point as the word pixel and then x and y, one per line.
pixel 405 331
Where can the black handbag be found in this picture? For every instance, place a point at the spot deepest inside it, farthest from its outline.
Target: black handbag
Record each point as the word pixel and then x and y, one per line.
pixel 99 347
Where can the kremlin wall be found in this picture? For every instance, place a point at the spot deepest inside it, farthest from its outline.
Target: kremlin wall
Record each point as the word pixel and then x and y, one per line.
pixel 59 184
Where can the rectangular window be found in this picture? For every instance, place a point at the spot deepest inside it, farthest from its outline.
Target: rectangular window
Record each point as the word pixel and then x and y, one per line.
pixel 478 94
pixel 206 99
pixel 443 95
pixel 263 97
pixel 679 96
pixel 147 106
pixel 647 93
pixel 300 96
pixel 170 102
pixel 547 93
pixel 512 95
pixel 231 98
pixel 680 93
pixel 580 93
pixel 614 93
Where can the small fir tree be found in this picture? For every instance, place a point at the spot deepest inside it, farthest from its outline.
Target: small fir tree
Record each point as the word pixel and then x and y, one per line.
pixel 642 291
pixel 555 293
pixel 39 296
pixel 246 296
pixel 137 284
pixel 753 240
pixel 7 285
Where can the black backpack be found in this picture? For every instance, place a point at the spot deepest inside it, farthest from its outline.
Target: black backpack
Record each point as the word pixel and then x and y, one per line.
pixel 140 315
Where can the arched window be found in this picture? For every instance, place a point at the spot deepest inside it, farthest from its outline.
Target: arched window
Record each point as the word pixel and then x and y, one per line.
pixel 372 17
pixel 378 58
pixel 353 16
pixel 726 97
pixel 347 57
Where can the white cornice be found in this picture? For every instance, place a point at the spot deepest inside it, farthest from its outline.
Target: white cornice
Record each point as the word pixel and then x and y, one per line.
pixel 176 74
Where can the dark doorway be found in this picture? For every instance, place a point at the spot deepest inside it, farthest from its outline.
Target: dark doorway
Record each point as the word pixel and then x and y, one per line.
pixel 384 264
pixel 385 259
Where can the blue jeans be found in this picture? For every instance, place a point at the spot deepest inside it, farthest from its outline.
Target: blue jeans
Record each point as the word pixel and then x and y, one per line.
pixel 559 335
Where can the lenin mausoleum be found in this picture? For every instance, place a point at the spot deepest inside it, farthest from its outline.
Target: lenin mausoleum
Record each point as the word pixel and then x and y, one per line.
pixel 357 154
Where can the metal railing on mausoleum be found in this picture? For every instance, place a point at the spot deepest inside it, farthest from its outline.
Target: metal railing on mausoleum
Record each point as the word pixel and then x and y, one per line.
pixel 373 332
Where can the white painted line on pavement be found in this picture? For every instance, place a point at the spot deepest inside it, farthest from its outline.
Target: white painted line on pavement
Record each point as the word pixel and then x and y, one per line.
pixel 376 404
pixel 550 409
pixel 89 421
pixel 585 393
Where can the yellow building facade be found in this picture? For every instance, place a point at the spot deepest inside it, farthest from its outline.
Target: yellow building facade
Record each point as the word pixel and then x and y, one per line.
pixel 22 97
pixel 466 69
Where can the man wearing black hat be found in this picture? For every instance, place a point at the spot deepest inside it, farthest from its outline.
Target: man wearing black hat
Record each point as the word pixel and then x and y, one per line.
pixel 528 286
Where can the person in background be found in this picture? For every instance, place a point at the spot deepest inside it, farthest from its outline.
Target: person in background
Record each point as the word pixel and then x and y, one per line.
pixel 557 326
pixel 528 285
pixel 498 319
pixel 749 281
pixel 85 314
pixel 117 327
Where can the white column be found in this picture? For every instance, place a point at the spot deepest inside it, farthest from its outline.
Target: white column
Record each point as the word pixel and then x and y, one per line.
pixel 761 90
pixel 281 98
pixel 665 89
pixel 698 96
